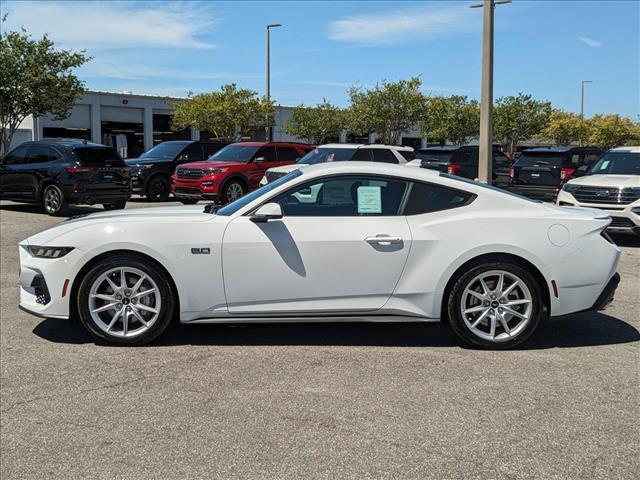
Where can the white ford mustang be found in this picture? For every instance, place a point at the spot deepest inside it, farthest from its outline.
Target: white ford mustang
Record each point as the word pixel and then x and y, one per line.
pixel 348 241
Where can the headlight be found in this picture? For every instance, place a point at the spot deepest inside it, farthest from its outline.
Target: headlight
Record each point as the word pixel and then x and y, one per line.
pixel 47 252
pixel 217 170
pixel 570 188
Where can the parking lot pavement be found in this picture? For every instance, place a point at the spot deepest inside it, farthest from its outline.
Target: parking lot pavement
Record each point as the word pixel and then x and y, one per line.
pixel 316 401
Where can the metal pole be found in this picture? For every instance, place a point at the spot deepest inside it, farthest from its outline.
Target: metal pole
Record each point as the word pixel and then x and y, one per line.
pixel 486 95
pixel 268 89
pixel 582 82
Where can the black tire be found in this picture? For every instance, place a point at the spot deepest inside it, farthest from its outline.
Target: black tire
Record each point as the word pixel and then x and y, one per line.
pixel 53 201
pixel 118 205
pixel 158 189
pixel 463 330
pixel 188 201
pixel 166 295
pixel 230 189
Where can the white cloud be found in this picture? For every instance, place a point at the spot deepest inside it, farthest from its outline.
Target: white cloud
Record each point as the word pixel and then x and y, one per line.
pixel 403 25
pixel 590 42
pixel 114 25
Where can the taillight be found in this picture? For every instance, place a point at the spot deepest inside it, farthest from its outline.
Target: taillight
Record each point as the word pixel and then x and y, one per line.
pixel 512 172
pixel 566 172
pixel 78 169
pixel 453 169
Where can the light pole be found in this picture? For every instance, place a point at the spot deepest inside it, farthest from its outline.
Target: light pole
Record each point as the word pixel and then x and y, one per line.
pixel 268 89
pixel 582 82
pixel 486 91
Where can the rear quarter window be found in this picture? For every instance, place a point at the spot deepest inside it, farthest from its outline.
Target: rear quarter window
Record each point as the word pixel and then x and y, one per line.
pixel 426 198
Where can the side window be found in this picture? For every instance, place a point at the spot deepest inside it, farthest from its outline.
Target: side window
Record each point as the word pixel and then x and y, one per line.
pixel 287 154
pixel 362 155
pixel 408 154
pixel 348 196
pixel 194 152
pixel 39 154
pixel 269 154
pixel 426 198
pixel 576 159
pixel 210 149
pixel 591 158
pixel 15 156
pixel 383 155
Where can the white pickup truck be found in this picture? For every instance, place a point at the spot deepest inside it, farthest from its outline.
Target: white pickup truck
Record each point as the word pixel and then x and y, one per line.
pixel 611 184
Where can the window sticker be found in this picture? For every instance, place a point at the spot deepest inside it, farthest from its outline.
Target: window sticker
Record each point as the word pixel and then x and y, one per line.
pixel 369 200
pixel 604 165
pixel 575 159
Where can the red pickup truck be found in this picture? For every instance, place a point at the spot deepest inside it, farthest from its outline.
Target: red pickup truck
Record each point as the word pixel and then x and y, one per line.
pixel 232 171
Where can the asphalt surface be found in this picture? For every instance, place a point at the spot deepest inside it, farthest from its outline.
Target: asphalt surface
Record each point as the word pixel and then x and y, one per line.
pixel 316 401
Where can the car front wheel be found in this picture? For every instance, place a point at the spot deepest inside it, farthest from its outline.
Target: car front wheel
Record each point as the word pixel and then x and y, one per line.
pixel 125 301
pixel 158 189
pixel 495 305
pixel 233 191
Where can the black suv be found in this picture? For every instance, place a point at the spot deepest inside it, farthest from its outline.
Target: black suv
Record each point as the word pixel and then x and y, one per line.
pixel 463 161
pixel 151 172
pixel 57 172
pixel 539 173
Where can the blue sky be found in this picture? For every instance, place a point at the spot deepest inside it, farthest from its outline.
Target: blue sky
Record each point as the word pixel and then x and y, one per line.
pixel 542 47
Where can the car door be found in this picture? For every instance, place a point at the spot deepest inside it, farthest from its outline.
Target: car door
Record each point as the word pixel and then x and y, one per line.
pixel 11 170
pixel 264 159
pixel 40 160
pixel 342 253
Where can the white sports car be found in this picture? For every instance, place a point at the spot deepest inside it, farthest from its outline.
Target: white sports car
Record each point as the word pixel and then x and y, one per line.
pixel 348 241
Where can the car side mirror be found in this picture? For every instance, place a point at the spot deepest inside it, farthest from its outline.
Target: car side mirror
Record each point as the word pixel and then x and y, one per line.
pixel 268 211
pixel 582 171
pixel 260 159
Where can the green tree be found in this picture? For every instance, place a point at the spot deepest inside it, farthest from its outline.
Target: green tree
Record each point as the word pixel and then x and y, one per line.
pixel 317 124
pixel 454 118
pixel 388 109
pixel 565 128
pixel 608 131
pixel 517 118
pixel 228 113
pixel 35 78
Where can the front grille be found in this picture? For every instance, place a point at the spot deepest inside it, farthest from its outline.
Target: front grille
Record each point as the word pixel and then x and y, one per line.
pixel 192 173
pixel 188 191
pixel 271 176
pixel 613 195
pixel 621 222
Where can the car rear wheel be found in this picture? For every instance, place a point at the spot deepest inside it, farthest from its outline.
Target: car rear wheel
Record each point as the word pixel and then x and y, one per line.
pixel 158 189
pixel 118 205
pixel 495 305
pixel 233 191
pixel 53 201
pixel 125 301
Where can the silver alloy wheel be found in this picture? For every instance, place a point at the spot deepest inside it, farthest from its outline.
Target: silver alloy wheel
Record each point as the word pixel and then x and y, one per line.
pixel 52 200
pixel 234 191
pixel 124 302
pixel 496 305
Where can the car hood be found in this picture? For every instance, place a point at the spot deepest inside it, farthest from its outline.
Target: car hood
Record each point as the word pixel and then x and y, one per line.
pixel 288 168
pixel 211 164
pixel 168 215
pixel 607 181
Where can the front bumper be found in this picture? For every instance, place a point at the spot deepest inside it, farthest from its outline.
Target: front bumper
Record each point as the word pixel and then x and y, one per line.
pixel 199 189
pixel 536 192
pixel 623 217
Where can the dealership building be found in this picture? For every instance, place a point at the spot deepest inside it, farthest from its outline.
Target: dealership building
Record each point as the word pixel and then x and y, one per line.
pixel 134 123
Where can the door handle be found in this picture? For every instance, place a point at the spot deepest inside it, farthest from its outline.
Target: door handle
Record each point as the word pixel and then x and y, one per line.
pixel 383 240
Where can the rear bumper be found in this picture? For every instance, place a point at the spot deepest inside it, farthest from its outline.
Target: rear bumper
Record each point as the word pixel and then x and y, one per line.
pixel 602 302
pixel 537 192
pixel 93 196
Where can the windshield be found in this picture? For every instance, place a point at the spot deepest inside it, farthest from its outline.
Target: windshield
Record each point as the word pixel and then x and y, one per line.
pixel 322 155
pixel 617 163
pixel 233 207
pixel 434 156
pixel 532 159
pixel 165 149
pixel 235 153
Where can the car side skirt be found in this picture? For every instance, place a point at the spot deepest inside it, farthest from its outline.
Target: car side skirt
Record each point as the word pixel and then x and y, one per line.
pixel 315 319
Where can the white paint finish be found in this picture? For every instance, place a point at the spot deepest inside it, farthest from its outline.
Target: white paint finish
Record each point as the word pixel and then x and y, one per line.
pixel 558 235
pixel 323 265
pixel 312 265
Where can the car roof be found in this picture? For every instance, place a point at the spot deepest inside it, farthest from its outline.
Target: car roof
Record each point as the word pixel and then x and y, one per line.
pixel 630 149
pixel 368 145
pixel 64 142
pixel 379 168
pixel 275 144
pixel 556 149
